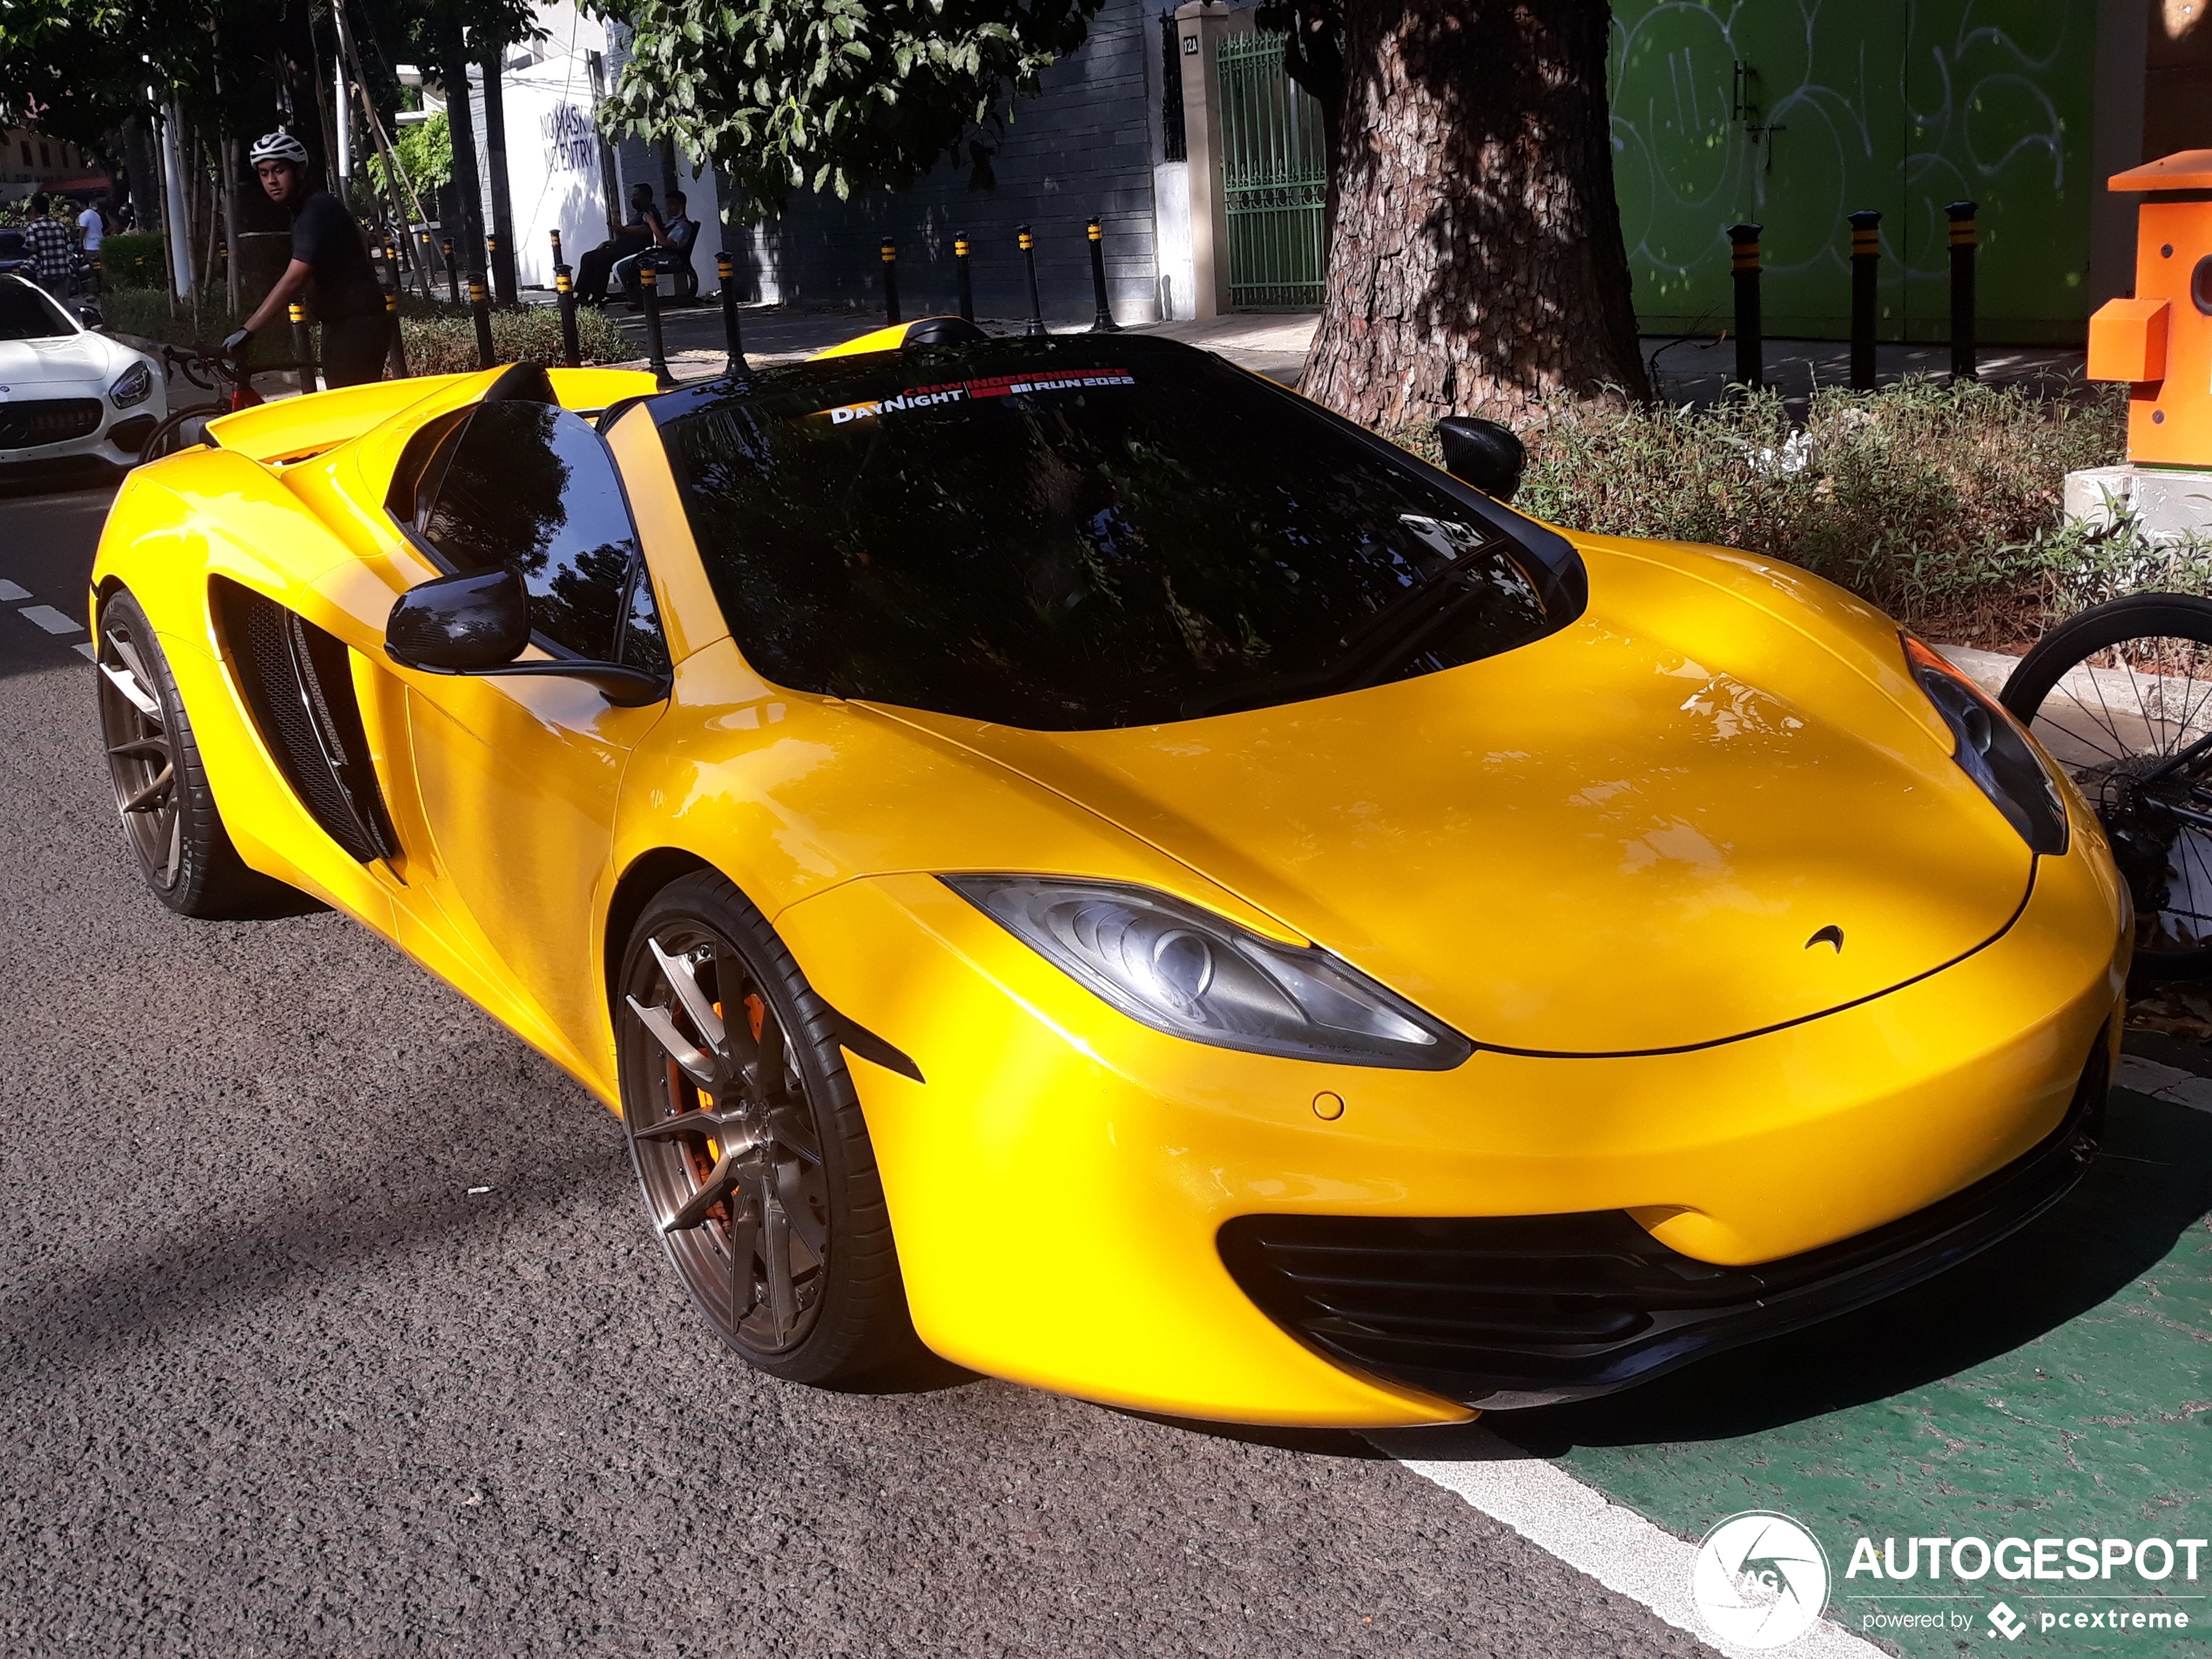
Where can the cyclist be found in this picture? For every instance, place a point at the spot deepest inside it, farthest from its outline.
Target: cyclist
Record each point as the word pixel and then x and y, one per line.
pixel 328 253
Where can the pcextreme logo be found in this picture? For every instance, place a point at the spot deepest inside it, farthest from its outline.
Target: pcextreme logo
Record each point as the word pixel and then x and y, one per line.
pixel 1760 1579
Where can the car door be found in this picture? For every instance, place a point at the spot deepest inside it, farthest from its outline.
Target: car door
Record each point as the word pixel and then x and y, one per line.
pixel 516 778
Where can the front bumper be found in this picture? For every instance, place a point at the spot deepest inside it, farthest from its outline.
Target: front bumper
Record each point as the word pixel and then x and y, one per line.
pixel 1059 1186
pixel 1507 1312
pixel 73 434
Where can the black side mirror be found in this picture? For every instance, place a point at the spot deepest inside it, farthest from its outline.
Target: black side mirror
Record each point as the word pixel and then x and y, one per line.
pixel 460 624
pixel 91 317
pixel 1485 454
pixel 479 623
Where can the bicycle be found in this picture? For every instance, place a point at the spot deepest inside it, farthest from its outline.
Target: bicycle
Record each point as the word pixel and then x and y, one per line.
pixel 182 429
pixel 2121 696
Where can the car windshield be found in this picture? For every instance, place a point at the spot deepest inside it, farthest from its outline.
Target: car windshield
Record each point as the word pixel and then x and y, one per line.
pixel 26 314
pixel 1084 532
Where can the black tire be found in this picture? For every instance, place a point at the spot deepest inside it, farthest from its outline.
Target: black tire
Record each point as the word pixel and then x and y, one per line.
pixel 161 793
pixel 776 1148
pixel 2129 732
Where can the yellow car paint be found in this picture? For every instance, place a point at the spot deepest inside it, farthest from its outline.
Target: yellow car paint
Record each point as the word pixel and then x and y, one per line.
pixel 1732 757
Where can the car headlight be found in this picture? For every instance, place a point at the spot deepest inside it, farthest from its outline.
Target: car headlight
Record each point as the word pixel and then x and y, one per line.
pixel 1992 749
pixel 133 385
pixel 1185 971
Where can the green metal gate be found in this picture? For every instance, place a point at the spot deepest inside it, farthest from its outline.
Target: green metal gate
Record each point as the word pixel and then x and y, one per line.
pixel 1274 178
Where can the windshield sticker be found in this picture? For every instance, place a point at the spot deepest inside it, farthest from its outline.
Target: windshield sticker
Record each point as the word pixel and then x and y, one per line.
pixel 923 397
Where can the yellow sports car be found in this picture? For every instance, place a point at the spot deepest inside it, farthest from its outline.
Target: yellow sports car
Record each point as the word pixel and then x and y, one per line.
pixel 1064 851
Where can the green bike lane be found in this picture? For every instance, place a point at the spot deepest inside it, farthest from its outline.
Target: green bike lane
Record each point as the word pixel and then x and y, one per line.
pixel 2058 1386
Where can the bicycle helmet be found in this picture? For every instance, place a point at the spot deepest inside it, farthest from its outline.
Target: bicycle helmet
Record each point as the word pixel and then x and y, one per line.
pixel 278 146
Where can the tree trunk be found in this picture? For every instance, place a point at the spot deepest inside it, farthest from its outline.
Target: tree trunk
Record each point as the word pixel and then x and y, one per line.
pixel 467 183
pixel 503 213
pixel 1477 261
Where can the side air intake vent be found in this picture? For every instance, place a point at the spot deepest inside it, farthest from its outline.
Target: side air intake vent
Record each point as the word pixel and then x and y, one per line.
pixel 298 682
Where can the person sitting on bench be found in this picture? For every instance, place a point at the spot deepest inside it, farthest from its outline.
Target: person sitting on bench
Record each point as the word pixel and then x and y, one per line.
pixel 671 249
pixel 592 270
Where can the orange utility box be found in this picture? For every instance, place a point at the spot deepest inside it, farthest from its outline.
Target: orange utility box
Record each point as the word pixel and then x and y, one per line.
pixel 2160 340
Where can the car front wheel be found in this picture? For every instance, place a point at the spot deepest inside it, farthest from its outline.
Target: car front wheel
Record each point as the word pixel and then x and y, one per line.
pixel 748 1141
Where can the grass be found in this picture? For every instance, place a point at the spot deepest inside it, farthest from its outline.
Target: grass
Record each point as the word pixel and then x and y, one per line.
pixel 1938 503
pixel 438 340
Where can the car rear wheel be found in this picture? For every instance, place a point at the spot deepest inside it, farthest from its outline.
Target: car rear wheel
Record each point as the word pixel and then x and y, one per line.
pixel 749 1143
pixel 2122 697
pixel 161 792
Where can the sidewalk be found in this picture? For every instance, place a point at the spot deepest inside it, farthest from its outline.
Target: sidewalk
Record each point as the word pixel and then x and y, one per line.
pixel 1693 371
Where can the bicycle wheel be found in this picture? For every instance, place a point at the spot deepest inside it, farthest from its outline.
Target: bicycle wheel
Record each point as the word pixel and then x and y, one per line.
pixel 2121 697
pixel 179 430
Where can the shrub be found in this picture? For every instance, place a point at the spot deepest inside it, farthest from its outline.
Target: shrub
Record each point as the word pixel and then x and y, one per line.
pixel 442 342
pixel 134 259
pixel 446 344
pixel 1940 504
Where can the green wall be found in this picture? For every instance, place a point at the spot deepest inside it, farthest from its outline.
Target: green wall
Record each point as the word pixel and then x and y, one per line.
pixel 1882 103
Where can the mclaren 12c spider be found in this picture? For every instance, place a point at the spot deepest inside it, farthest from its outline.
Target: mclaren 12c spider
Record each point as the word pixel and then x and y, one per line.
pixel 1066 853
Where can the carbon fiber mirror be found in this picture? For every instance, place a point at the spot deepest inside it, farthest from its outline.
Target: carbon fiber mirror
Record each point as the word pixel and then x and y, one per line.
pixel 1485 454
pixel 460 624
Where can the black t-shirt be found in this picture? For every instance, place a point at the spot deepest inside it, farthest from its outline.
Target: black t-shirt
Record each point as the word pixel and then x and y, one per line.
pixel 325 236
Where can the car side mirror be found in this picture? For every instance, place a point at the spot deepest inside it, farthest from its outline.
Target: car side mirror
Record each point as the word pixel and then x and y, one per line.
pixel 1485 454
pixel 479 623
pixel 460 624
pixel 91 317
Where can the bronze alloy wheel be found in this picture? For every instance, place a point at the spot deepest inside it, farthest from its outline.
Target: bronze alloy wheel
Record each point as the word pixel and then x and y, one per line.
pixel 141 754
pixel 749 1145
pixel 161 790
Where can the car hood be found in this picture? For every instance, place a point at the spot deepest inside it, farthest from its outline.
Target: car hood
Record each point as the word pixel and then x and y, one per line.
pixel 1713 804
pixel 79 359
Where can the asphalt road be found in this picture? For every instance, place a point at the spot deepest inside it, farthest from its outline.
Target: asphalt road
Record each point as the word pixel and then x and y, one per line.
pixel 329 1324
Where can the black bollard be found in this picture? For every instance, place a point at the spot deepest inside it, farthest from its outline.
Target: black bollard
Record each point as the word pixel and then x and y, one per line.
pixel 303 348
pixel 564 291
pixel 890 281
pixel 1865 268
pixel 649 291
pixel 1105 323
pixel 1963 240
pixel 966 277
pixel 452 271
pixel 557 260
pixel 398 344
pixel 480 302
pixel 1751 340
pixel 1035 325
pixel 726 269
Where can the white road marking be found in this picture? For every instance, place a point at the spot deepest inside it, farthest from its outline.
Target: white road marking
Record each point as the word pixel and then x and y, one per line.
pixel 52 621
pixel 10 590
pixel 84 647
pixel 2163 1083
pixel 1586 1529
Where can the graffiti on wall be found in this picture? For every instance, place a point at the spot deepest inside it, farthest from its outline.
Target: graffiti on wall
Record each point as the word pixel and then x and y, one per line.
pixel 1793 114
pixel 571 143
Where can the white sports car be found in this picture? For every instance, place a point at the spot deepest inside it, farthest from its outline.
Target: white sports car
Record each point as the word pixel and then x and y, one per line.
pixel 73 402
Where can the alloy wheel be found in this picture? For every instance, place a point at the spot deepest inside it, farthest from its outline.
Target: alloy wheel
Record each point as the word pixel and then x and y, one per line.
pixel 141 754
pixel 727 1143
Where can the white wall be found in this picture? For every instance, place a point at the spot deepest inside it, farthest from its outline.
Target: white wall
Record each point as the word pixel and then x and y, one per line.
pixel 552 148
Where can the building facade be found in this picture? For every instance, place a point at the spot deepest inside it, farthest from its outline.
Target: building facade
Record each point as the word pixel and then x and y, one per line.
pixel 1164 125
